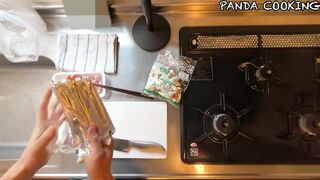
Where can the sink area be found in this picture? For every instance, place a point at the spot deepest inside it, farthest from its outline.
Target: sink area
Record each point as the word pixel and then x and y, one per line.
pixel 21 88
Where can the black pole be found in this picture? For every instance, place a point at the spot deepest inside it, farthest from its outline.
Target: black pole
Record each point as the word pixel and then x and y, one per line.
pixel 147 12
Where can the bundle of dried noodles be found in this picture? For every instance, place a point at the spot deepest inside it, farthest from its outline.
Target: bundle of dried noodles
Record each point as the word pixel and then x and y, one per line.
pixel 82 106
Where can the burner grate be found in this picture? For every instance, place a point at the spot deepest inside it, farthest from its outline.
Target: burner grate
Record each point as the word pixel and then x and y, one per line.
pixel 303 124
pixel 261 74
pixel 222 124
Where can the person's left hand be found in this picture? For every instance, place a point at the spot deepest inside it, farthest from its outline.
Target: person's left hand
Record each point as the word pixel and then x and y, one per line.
pixel 40 146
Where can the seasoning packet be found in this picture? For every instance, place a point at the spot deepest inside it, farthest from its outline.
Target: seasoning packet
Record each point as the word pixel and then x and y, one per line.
pixel 169 77
pixel 82 107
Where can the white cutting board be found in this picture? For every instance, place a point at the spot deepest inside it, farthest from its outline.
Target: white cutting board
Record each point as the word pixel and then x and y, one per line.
pixel 141 121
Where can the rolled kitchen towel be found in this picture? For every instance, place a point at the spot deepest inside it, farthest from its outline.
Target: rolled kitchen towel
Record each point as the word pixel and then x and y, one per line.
pixel 87 52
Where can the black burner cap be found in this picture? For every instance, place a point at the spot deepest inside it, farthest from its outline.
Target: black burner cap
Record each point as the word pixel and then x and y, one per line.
pixel 310 123
pixel 224 124
pixel 267 73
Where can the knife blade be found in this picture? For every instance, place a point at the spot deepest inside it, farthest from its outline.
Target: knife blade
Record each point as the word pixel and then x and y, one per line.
pixel 124 145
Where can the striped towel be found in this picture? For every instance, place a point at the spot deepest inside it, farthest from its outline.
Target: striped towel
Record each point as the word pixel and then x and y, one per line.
pixel 87 52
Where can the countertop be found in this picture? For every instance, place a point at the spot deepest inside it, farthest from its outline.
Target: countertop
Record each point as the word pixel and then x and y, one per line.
pixel 133 69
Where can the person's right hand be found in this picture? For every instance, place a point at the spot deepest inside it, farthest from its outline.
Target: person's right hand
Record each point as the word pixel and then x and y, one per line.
pixel 98 161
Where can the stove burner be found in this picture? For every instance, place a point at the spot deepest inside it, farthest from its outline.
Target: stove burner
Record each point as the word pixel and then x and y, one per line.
pixel 224 124
pixel 259 75
pixel 264 73
pixel 310 124
pixel 303 125
pixel 221 123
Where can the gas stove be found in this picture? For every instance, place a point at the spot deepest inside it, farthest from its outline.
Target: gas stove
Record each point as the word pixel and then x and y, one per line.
pixel 254 95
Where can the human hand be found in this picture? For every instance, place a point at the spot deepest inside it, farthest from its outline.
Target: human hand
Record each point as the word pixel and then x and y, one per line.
pixel 39 148
pixel 98 161
pixel 40 145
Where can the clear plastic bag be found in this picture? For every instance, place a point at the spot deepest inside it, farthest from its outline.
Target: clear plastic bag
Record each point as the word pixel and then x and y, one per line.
pixel 82 107
pixel 169 76
pixel 21 29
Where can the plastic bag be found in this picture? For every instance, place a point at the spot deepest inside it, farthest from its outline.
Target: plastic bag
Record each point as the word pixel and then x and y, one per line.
pixel 82 107
pixel 21 29
pixel 169 77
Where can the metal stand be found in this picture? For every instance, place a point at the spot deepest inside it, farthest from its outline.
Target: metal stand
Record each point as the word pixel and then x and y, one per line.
pixel 151 31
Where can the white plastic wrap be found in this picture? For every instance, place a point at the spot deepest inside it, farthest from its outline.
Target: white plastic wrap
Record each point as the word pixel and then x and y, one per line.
pixel 21 29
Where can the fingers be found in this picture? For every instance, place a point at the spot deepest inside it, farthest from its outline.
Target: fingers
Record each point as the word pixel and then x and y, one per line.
pixel 43 111
pixel 97 146
pixel 108 145
pixel 47 137
pixel 110 141
pixel 108 148
pixel 56 104
pixel 61 120
pixel 56 113
pixel 94 139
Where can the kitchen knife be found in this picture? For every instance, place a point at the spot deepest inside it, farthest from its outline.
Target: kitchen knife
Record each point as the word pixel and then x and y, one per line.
pixel 145 146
